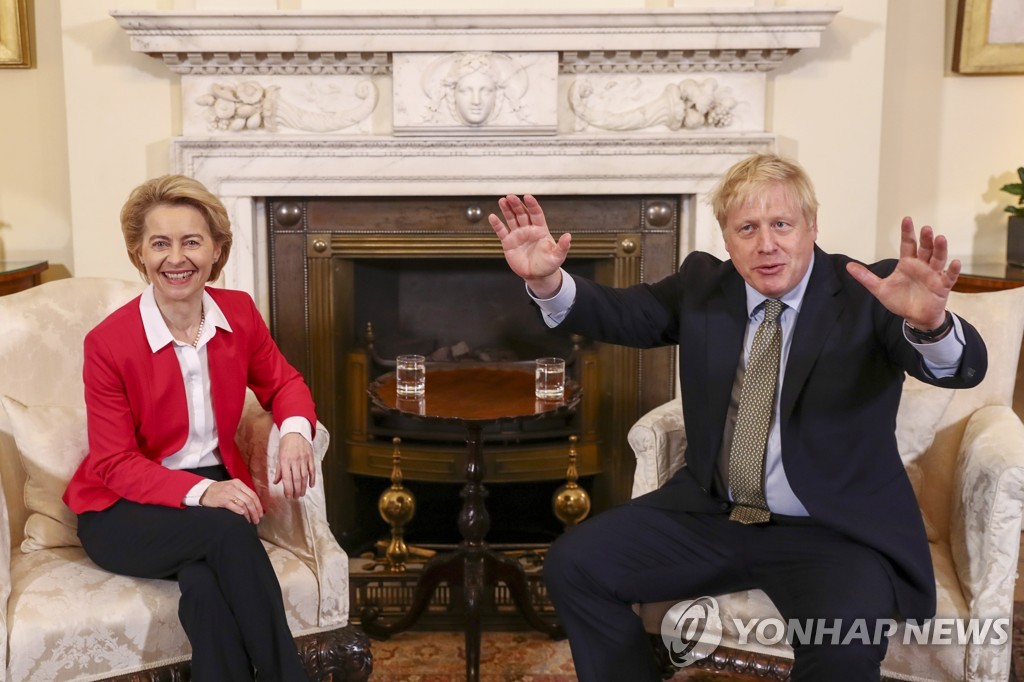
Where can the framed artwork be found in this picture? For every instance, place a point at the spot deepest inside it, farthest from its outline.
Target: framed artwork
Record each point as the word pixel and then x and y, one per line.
pixel 15 34
pixel 989 37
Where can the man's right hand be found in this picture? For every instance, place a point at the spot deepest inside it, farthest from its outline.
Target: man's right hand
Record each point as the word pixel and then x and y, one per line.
pixel 529 248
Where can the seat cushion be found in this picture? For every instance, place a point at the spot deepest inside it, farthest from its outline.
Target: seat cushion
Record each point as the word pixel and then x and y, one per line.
pixel 71 620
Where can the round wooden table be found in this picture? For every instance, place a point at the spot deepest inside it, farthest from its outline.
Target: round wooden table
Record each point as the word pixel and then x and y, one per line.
pixel 474 396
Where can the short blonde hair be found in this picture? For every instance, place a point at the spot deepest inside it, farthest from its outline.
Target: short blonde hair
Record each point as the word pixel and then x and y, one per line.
pixel 174 190
pixel 753 176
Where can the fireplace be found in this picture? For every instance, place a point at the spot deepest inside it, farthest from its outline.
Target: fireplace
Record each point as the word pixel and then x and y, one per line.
pixel 379 277
pixel 304 121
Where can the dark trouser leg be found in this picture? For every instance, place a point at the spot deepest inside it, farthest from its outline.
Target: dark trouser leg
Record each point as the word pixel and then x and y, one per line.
pixel 218 652
pixel 812 573
pixel 626 555
pixel 632 554
pixel 160 542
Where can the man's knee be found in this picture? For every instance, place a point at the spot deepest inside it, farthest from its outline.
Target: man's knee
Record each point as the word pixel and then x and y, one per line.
pixel 561 563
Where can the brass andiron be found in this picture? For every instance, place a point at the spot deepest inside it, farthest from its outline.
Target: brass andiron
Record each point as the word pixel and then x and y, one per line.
pixel 397 505
pixel 571 503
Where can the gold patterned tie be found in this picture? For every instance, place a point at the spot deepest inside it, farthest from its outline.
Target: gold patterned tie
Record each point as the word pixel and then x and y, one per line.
pixel 754 418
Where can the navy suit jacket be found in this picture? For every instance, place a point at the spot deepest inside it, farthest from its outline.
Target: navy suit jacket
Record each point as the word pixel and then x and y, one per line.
pixel 844 376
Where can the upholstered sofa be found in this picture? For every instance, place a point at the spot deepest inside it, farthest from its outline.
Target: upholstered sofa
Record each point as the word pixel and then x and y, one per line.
pixel 964 452
pixel 63 618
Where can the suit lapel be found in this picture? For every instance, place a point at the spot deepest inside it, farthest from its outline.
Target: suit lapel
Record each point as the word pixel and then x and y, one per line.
pixel 818 313
pixel 726 326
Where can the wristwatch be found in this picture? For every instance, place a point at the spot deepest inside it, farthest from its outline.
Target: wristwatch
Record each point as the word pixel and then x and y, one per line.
pixel 929 334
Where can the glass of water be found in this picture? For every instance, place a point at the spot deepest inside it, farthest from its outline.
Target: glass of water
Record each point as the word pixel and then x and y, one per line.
pixel 411 375
pixel 549 379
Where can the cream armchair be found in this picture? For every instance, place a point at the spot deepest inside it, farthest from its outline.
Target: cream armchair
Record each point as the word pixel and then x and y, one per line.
pixel 964 451
pixel 63 618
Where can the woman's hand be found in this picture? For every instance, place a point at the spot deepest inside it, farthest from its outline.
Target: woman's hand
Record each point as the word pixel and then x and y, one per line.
pixel 235 496
pixel 295 465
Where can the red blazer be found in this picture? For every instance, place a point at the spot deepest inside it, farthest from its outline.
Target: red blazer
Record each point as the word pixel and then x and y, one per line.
pixel 137 413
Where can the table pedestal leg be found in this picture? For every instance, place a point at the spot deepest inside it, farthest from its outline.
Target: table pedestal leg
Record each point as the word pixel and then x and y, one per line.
pixel 473 564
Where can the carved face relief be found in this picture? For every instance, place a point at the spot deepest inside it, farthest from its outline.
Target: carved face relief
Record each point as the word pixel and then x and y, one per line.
pixel 475 95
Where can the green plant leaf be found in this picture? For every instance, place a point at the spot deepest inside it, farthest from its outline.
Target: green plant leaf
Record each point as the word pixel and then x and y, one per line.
pixel 1014 188
pixel 1020 173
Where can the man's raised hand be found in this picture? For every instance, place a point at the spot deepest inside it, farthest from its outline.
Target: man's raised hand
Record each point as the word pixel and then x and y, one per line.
pixel 918 288
pixel 529 248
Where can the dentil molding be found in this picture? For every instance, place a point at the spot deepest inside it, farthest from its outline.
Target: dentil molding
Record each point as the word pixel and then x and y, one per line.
pixel 353 42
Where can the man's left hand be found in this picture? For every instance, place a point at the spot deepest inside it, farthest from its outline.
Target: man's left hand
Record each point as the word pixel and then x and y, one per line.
pixel 918 288
pixel 295 465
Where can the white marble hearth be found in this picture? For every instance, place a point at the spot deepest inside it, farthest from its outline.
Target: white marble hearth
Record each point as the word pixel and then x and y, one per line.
pixel 442 104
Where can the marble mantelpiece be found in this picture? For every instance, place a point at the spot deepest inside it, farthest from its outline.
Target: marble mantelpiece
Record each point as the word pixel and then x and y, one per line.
pixel 374 103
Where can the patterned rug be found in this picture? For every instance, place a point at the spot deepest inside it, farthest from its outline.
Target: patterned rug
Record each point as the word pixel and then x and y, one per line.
pixel 504 657
pixel 527 657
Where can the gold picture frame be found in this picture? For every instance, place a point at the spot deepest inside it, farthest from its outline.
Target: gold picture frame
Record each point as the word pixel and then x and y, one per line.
pixel 16 34
pixel 977 49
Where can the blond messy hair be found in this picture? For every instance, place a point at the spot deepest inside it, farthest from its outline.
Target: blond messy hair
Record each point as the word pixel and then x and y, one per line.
pixel 753 176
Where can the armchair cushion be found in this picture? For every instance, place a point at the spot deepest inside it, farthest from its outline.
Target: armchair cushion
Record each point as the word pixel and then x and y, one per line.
pixel 921 409
pixel 111 622
pixel 52 442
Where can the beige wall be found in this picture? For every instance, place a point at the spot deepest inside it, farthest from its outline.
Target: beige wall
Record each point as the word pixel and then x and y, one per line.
pixel 875 114
pixel 35 211
pixel 949 142
pixel 826 107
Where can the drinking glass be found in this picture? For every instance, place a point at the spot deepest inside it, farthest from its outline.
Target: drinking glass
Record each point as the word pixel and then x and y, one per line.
pixel 411 375
pixel 549 379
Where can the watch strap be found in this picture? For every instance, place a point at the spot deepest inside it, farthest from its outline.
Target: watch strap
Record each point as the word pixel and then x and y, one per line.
pixel 930 334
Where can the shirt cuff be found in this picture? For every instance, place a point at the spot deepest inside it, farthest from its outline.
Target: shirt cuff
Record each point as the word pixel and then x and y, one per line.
pixel 942 357
pixel 194 495
pixel 299 425
pixel 556 308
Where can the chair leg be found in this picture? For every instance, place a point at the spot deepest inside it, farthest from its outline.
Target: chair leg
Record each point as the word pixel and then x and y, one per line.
pixel 337 655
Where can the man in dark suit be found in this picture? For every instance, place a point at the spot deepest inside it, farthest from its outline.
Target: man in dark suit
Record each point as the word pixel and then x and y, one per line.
pixel 826 522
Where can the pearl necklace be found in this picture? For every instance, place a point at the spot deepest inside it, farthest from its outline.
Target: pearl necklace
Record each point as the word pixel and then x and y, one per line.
pixel 199 332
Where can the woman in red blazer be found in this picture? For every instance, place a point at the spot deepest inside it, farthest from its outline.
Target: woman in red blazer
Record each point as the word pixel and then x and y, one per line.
pixel 163 492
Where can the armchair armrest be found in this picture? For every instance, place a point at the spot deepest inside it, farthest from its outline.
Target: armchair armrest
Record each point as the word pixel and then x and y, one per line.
pixel 985 528
pixel 659 441
pixel 300 525
pixel 5 580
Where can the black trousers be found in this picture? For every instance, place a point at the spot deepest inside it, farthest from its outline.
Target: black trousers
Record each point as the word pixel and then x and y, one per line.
pixel 635 554
pixel 231 605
